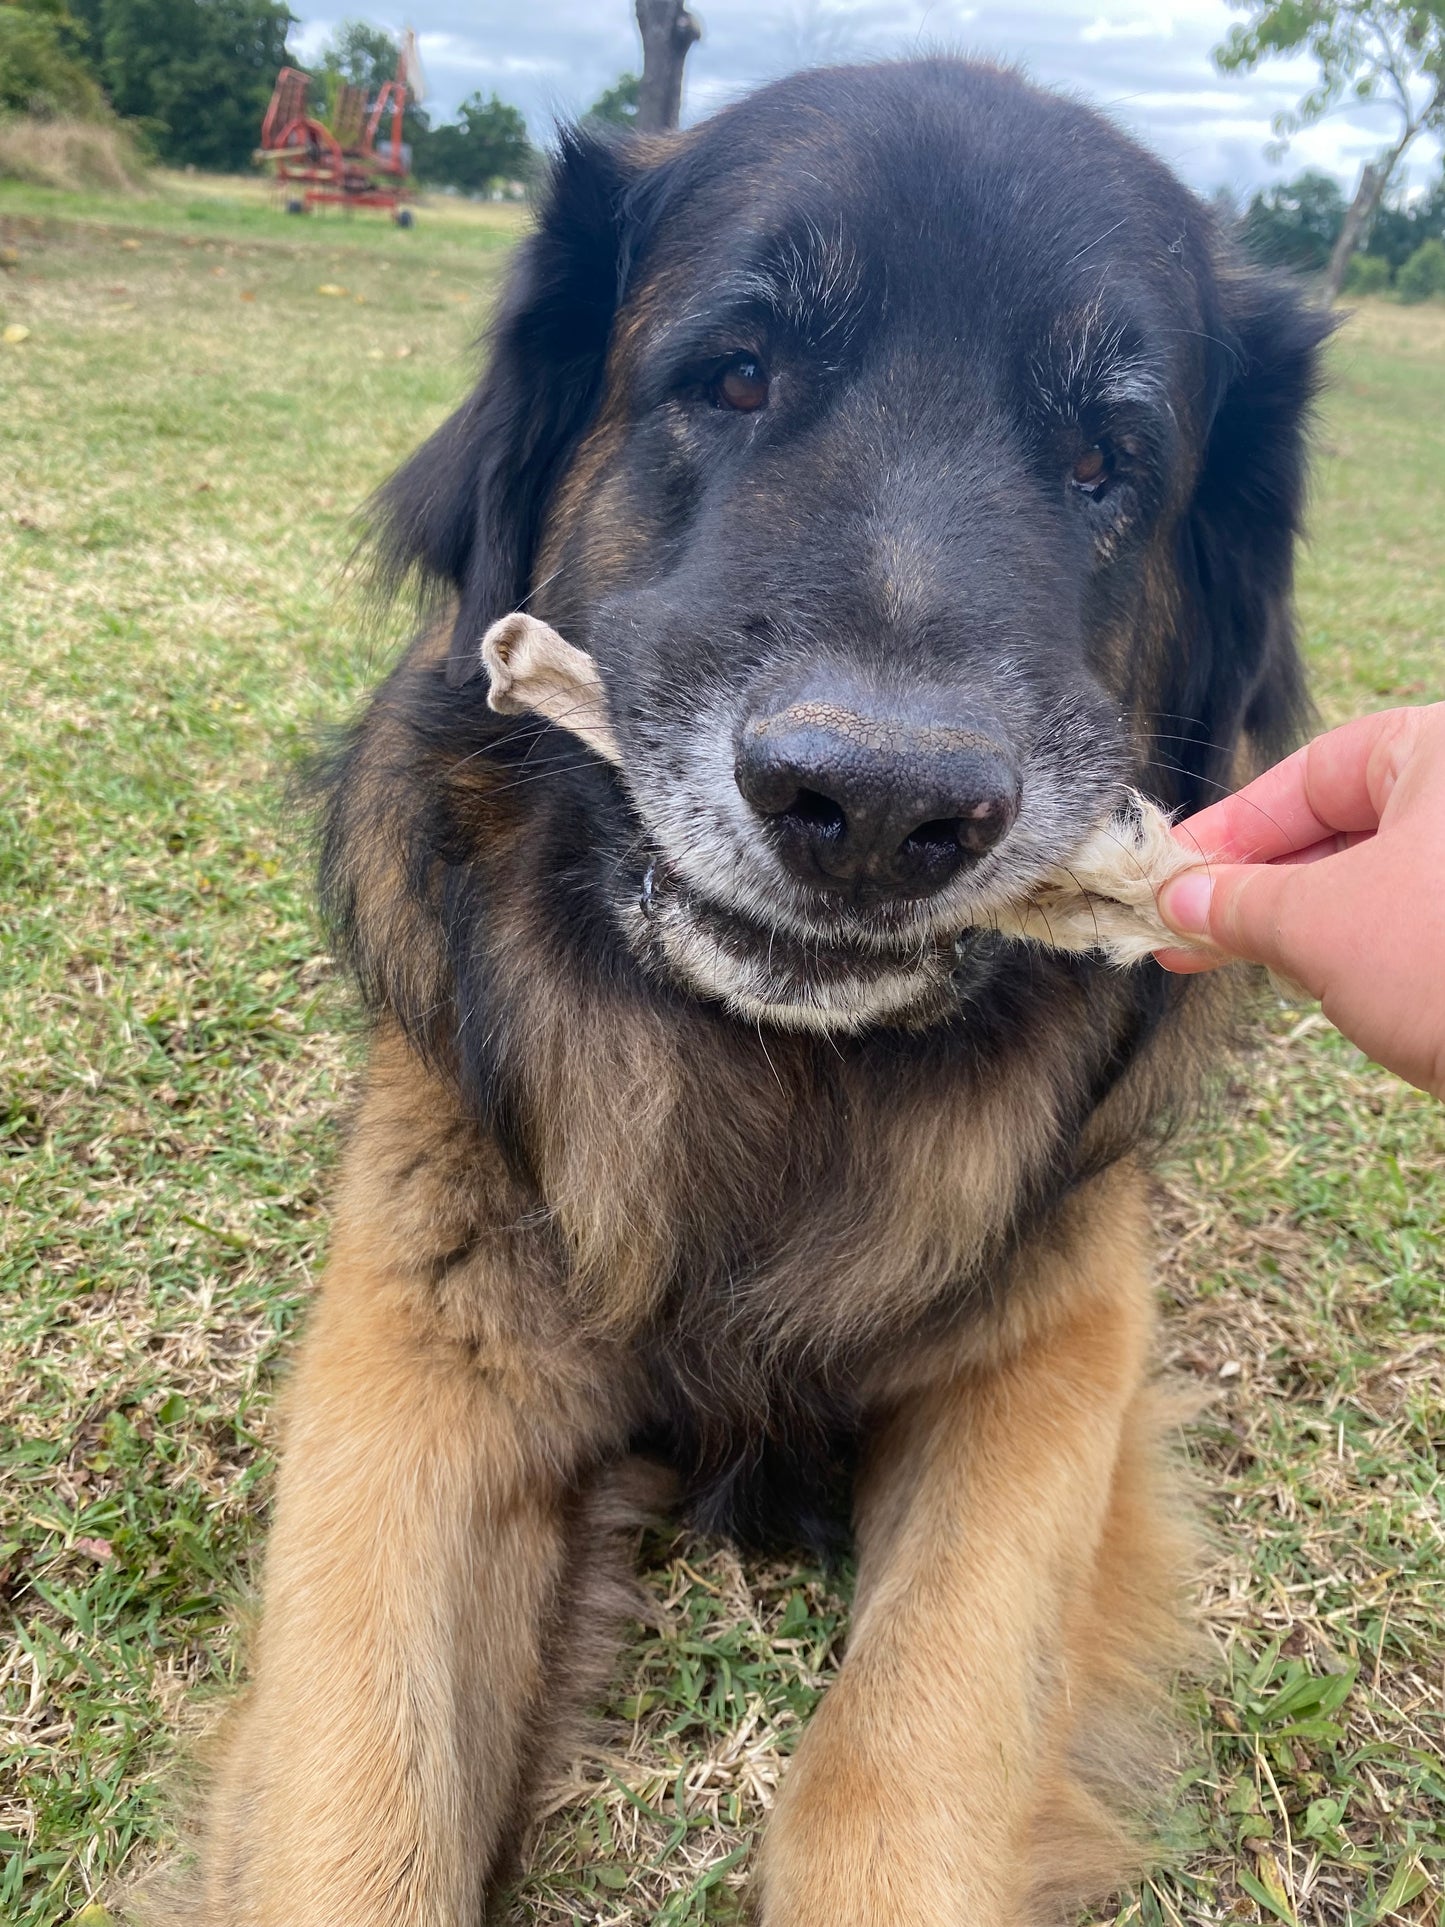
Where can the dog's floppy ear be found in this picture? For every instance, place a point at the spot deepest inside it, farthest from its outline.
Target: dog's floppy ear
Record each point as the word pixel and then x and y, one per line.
pixel 467 510
pixel 1235 670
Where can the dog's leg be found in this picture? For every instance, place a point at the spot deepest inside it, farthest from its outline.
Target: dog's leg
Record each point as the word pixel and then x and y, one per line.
pixel 416 1570
pixel 1004 1515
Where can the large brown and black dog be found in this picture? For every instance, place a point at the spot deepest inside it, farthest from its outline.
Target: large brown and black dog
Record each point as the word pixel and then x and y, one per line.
pixel 921 468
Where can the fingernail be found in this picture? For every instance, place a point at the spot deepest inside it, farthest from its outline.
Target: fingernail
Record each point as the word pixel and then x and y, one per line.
pixel 1184 903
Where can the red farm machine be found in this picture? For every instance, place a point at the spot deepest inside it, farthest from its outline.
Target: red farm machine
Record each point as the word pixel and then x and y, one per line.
pixel 348 152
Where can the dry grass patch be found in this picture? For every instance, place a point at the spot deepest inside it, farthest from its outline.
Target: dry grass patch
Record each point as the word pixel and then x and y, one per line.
pixel 70 154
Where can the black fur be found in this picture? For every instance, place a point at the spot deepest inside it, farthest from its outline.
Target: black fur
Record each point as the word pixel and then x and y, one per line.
pixel 1239 673
pixel 468 507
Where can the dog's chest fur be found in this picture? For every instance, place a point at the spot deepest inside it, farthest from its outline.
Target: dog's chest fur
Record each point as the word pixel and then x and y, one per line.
pixel 774 1226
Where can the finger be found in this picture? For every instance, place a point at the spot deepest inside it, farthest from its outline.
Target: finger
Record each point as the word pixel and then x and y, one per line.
pixel 1332 846
pixel 1339 782
pixel 1188 963
pixel 1254 911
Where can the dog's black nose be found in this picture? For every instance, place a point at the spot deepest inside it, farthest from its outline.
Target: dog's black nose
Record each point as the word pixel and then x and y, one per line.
pixel 880 805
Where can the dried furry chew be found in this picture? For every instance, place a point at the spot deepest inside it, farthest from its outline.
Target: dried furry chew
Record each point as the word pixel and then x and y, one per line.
pixel 535 671
pixel 1102 899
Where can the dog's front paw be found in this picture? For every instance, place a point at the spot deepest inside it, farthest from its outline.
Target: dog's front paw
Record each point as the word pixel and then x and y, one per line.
pixel 857 1840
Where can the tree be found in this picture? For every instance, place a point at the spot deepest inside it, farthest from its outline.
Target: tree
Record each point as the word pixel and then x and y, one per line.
pixel 360 55
pixel 1400 226
pixel 668 32
pixel 618 105
pixel 1295 224
pixel 487 142
pixel 1367 50
pixel 197 73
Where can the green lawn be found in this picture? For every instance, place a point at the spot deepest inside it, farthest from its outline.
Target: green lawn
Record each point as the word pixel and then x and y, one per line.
pixel 206 393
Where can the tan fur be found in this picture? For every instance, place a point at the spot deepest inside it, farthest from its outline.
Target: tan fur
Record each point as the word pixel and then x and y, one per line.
pixel 454 1439
pixel 1013 1610
pixel 441 1446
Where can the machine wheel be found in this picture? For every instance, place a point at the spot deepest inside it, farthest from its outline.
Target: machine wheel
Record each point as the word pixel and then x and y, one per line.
pixel 293 206
pixel 405 217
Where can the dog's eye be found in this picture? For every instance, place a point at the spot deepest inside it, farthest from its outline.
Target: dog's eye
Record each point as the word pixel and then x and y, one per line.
pixel 1091 471
pixel 742 384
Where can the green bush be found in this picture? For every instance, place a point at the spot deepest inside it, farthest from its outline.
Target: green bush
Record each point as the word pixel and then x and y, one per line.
pixel 1423 275
pixel 40 72
pixel 1401 225
pixel 1367 274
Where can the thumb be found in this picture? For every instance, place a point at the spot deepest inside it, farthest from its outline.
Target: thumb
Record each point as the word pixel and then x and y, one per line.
pixel 1253 911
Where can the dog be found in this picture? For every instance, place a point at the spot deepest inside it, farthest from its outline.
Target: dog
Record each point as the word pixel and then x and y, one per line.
pixel 921 467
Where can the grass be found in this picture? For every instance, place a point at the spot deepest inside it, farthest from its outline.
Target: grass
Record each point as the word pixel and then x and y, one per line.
pixel 236 208
pixel 206 392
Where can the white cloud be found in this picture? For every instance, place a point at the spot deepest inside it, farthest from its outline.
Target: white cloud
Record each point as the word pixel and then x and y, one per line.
pixel 1102 29
pixel 309 38
pixel 449 50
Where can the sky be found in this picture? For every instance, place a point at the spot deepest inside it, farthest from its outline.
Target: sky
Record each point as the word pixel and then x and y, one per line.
pixel 1146 65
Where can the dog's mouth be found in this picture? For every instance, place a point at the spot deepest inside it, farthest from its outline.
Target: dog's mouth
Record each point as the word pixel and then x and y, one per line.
pixel 833 978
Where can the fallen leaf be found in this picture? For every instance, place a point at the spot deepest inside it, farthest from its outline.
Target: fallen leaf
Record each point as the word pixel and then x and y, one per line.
pixel 402 353
pixel 97 1548
pixel 15 334
pixel 248 294
pixel 331 287
pixel 130 245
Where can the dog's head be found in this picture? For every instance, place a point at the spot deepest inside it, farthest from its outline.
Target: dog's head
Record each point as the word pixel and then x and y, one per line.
pixel 919 467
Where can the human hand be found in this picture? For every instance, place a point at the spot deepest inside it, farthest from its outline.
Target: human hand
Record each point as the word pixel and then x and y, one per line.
pixel 1330 869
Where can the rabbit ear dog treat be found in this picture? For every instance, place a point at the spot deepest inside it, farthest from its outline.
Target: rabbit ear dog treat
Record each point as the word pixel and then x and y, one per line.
pixel 535 670
pixel 1102 899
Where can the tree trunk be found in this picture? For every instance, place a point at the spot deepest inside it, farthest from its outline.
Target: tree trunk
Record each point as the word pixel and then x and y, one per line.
pixel 1356 230
pixel 668 31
